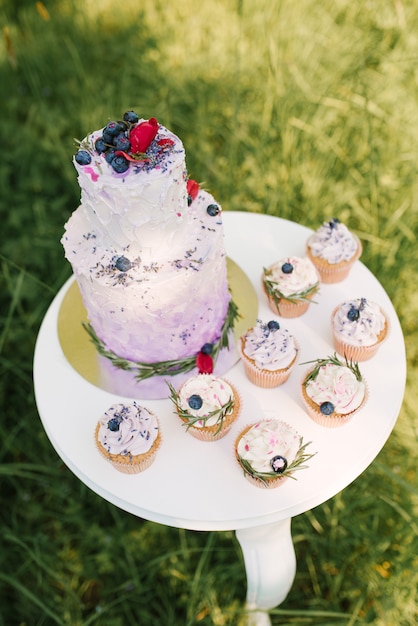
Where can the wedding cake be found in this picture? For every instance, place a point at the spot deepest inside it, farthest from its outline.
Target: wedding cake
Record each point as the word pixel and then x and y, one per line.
pixel 147 250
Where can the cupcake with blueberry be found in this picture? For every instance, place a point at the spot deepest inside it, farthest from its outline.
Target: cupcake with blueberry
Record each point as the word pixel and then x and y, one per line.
pixel 333 391
pixel 290 285
pixel 268 353
pixel 333 249
pixel 269 452
pixel 359 327
pixel 207 405
pixel 128 436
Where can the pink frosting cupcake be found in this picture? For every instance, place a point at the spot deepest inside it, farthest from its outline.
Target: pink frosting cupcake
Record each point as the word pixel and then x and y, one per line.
pixel 269 452
pixel 333 249
pixel 269 353
pixel 333 391
pixel 359 327
pixel 207 405
pixel 290 285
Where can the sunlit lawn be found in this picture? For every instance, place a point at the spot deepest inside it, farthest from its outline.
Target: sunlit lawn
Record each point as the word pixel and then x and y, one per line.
pixel 303 110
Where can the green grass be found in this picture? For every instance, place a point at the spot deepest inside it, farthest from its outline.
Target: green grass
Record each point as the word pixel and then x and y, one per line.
pixel 304 110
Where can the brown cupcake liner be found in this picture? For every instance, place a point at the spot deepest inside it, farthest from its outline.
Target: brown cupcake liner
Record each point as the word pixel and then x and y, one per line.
pixel 128 464
pixel 213 433
pixel 265 378
pixel 358 353
pixel 268 483
pixel 334 272
pixel 329 421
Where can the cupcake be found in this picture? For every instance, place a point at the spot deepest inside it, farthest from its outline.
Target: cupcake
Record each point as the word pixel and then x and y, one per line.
pixel 358 328
pixel 207 405
pixel 333 250
pixel 128 436
pixel 333 391
pixel 269 451
pixel 269 353
pixel 289 285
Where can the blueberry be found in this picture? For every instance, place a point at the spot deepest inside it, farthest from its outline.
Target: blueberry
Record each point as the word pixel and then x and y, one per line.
pixel 119 164
pixel 123 264
pixel 113 129
pixel 195 402
pixel 278 464
pixel 353 314
pixel 327 408
pixel 131 117
pixel 113 424
pixel 107 137
pixel 213 210
pixel 273 325
pixel 110 155
pixel 121 142
pixel 100 145
pixel 287 268
pixel 207 348
pixel 334 222
pixel 189 200
pixel 83 157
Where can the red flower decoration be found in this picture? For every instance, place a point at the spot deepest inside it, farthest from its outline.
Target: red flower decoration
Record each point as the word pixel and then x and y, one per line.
pixel 142 135
pixel 192 188
pixel 204 363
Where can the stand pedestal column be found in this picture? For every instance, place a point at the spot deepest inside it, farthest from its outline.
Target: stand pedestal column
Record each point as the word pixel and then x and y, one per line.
pixel 270 564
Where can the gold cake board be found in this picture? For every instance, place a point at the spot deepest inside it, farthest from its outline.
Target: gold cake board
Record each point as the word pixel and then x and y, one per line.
pixel 80 351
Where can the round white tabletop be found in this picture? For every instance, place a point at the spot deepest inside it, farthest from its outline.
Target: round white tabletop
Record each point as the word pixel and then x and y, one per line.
pixel 198 485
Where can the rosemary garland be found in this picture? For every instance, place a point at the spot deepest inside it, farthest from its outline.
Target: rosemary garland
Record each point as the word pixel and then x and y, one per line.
pixel 298 463
pixel 164 368
pixel 191 420
pixel 274 292
pixel 334 360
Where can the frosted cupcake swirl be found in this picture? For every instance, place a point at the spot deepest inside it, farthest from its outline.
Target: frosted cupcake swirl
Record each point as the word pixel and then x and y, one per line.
pixel 333 242
pixel 127 429
pixel 292 275
pixel 270 347
pixel 338 385
pixel 265 441
pixel 204 394
pixel 358 322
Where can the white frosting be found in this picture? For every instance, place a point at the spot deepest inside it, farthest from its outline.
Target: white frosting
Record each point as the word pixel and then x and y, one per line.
pixel 130 211
pixel 365 330
pixel 338 385
pixel 176 252
pixel 136 429
pixel 304 276
pixel 270 349
pixel 214 392
pixel 333 242
pixel 265 440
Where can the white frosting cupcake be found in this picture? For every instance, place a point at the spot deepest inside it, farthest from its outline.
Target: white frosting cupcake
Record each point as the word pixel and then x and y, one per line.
pixel 333 391
pixel 359 326
pixel 289 284
pixel 269 451
pixel 128 435
pixel 207 405
pixel 269 353
pixel 333 250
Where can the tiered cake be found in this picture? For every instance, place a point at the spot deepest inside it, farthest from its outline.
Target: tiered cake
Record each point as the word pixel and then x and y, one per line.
pixel 147 250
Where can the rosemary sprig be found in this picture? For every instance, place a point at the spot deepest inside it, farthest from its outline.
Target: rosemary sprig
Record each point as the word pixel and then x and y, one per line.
pixel 297 464
pixel 191 420
pixel 163 368
pixel 334 360
pixel 272 290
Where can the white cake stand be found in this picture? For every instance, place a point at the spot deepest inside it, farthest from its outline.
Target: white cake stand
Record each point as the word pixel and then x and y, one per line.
pixel 216 496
